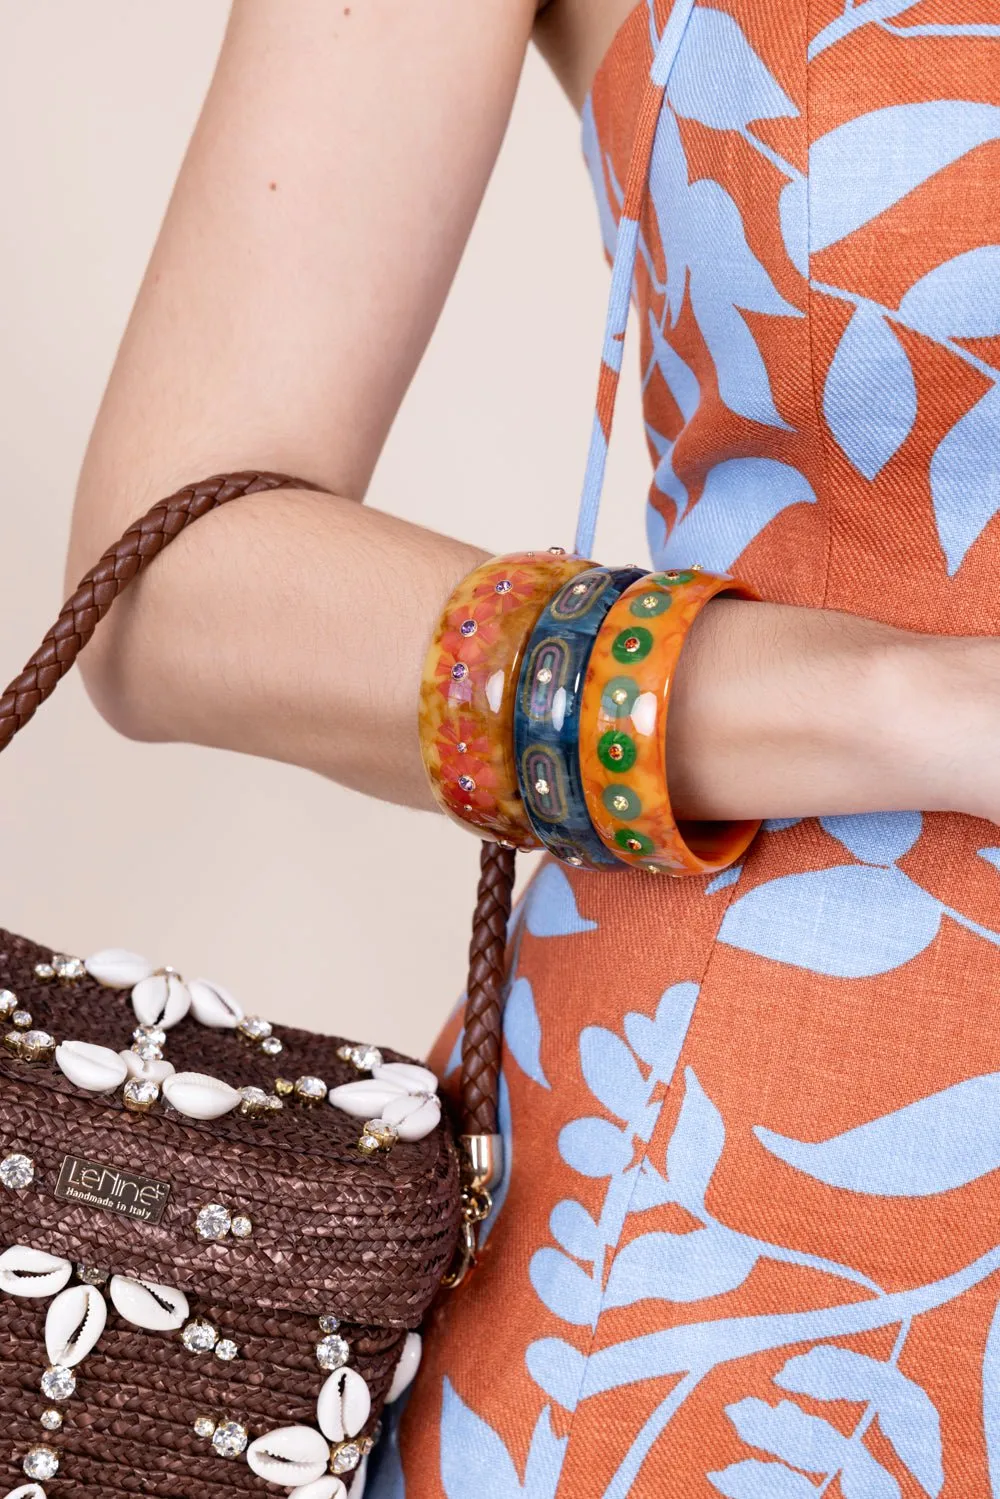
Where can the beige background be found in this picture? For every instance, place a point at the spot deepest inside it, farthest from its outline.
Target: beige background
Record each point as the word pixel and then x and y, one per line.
pixel 314 904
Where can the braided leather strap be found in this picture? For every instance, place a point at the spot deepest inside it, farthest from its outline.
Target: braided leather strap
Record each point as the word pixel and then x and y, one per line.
pixel 78 619
pixel 486 996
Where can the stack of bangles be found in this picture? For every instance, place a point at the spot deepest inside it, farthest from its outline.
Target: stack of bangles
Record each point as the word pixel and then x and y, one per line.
pixel 544 711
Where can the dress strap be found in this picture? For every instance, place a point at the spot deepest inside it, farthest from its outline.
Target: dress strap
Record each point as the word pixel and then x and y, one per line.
pixel 623 270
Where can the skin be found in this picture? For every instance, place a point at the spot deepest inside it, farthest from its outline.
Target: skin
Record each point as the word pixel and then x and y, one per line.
pixel 258 340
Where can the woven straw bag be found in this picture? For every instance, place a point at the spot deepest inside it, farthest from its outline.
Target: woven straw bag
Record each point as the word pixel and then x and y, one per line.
pixel 211 1279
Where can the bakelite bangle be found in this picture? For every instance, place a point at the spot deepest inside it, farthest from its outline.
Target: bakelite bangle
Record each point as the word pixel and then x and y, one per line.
pixel 547 715
pixel 470 684
pixel 623 728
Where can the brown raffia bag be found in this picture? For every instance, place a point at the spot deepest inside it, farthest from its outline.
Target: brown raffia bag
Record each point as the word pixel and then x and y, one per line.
pixel 179 1290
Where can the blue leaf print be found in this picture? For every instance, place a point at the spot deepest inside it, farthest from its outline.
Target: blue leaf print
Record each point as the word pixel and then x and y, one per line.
pixel 658 1041
pixel 779 824
pixel 650 1190
pixel 668 190
pixel 991 855
pixel 787 1432
pixel 595 165
pixel 612 1075
pixel 680 1267
pixel 906 1413
pixel 933 1145
pixel 862 168
pixel 744 383
pixel 959 299
pixel 793 214
pixel 741 496
pixel 550 906
pixel 861 1477
pixel 473 1458
pixel 715 48
pixel 558 1369
pixel 678 377
pixel 664 478
pixel 522 1031
pixel 695 1145
pixel 594 1147
pixel 965 478
pixel 849 922
pixel 505 1126
pixel 870 396
pixel 568 1292
pixel 545 1460
pixel 756 1480
pixel 574 1228
pixel 991 1400
pixel 722 881
pixel 876 837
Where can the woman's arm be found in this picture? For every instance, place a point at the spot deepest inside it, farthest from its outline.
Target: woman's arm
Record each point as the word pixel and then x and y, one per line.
pixel 314 231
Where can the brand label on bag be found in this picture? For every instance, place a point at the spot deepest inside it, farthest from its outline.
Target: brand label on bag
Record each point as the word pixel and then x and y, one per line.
pixel 112 1189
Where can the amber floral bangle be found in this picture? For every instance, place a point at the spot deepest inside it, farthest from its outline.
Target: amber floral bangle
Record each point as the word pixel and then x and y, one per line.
pixel 623 728
pixel 470 685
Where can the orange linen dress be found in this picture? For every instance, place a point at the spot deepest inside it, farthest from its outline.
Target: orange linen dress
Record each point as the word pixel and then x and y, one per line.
pixel 749 1241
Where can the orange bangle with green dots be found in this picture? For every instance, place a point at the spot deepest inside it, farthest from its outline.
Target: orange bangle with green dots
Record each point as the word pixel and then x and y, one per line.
pixel 623 728
pixel 469 688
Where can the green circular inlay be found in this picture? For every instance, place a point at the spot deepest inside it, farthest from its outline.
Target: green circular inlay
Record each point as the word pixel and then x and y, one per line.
pixel 632 645
pixel 622 802
pixel 619 697
pixel 633 842
pixel 649 604
pixel 616 751
pixel 671 580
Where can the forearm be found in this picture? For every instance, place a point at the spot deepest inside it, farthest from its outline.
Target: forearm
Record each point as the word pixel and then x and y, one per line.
pixel 288 625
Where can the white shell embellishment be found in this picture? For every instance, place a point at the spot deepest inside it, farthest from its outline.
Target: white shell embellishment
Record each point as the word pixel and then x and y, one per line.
pixel 406 1369
pixel 118 968
pixel 344 1405
pixel 151 1071
pixel 146 1304
pixel 97 1069
pixel 73 1325
pixel 163 999
pixel 32 1272
pixel 200 1097
pixel 212 1005
pixel 325 1488
pixel 398 1093
pixel 31 1491
pixel 290 1456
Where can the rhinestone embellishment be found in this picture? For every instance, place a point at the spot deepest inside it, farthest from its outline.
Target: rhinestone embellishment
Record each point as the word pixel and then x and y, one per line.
pixel 213 1222
pixel 226 1349
pixel 230 1439
pixel 241 1226
pixel 345 1458
pixel 377 1135
pixel 257 1104
pixel 41 1463
pixel 17 1172
pixel 199 1337
pixel 140 1094
pixel 332 1352
pixel 254 1028
pixel 58 1383
pixel 310 1089
pixel 8 1003
pixel 204 1426
pixel 271 1046
pixel 468 627
pixel 364 1058
pixel 51 1419
pixel 329 1324
pixel 459 671
pixel 504 586
pixel 466 783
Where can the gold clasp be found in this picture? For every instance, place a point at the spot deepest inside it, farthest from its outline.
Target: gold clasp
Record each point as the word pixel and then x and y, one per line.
pixel 482 1169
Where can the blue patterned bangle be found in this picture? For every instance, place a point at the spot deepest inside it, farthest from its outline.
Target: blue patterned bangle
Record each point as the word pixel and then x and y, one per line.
pixel 547 715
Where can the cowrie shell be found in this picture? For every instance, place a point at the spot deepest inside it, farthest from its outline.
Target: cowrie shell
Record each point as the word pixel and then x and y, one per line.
pixel 291 1456
pixel 118 968
pixel 406 1369
pixel 146 1304
pixel 30 1491
pixel 73 1324
pixel 212 1005
pixel 162 999
pixel 97 1069
pixel 154 1072
pixel 344 1405
pixel 367 1098
pixel 412 1118
pixel 198 1096
pixel 414 1079
pixel 328 1488
pixel 32 1272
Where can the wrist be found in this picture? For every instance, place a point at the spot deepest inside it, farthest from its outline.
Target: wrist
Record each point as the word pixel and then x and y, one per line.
pixel 948 722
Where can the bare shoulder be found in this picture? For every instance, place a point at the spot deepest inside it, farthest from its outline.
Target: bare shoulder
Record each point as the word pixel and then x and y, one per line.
pixel 574 35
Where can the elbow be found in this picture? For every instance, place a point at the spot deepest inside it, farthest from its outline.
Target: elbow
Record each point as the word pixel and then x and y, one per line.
pixel 119 681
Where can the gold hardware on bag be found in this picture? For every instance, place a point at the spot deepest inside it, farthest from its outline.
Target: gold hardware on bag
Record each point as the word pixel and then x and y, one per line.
pixel 482 1170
